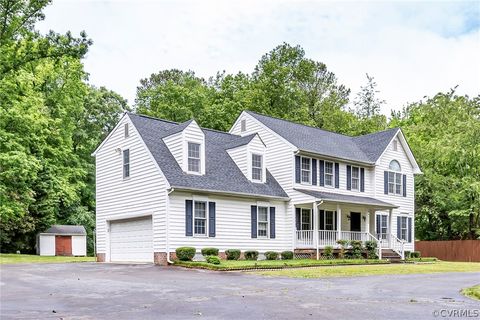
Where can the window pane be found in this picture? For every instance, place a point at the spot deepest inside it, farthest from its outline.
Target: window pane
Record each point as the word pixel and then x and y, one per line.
pixel 328 180
pixel 329 167
pixel 391 177
pixel 306 163
pixel 394 165
pixel 305 176
pixel 194 165
pixel 193 150
pixel 200 209
pixel 354 184
pixel 256 174
pixel 256 167
pixel 262 214
pixel 262 229
pixel 355 172
pixel 200 226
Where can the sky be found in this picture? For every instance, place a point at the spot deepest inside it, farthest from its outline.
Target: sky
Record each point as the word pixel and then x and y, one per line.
pixel 412 49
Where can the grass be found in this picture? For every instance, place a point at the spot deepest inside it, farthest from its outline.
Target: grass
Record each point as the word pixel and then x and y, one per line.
pixel 347 271
pixel 472 292
pixel 228 265
pixel 11 258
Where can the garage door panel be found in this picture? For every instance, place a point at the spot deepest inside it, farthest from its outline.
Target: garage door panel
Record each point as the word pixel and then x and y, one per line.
pixel 131 240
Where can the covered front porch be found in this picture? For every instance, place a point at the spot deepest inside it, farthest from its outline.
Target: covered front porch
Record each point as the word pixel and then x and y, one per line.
pixel 324 218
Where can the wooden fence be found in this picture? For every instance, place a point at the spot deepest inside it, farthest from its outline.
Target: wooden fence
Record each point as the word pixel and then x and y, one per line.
pixel 452 250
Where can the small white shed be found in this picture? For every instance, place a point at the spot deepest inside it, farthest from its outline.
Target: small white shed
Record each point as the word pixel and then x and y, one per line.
pixel 62 240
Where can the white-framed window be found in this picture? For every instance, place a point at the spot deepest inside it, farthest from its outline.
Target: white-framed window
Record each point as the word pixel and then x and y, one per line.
pixel 262 222
pixel 125 127
pixel 126 163
pixel 306 170
pixel 305 219
pixel 257 167
pixel 395 178
pixel 404 228
pixel 329 173
pixel 355 180
pixel 200 218
pixel 329 220
pixel 243 125
pixel 383 227
pixel 193 157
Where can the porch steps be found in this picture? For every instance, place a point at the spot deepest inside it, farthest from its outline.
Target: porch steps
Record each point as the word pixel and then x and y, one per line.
pixel 391 255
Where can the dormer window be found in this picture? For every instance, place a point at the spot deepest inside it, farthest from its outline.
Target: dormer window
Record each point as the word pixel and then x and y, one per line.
pixel 306 170
pixel 257 167
pixel 193 157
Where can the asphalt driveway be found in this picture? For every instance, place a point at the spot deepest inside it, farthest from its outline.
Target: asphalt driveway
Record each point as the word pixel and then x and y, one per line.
pixel 113 291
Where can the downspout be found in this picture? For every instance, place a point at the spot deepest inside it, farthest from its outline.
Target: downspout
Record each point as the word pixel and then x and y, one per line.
pixel 167 244
pixel 317 236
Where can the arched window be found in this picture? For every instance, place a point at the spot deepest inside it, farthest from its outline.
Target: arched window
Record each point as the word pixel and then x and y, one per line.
pixel 395 166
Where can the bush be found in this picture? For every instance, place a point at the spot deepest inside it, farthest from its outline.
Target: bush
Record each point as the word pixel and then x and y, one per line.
pixel 185 253
pixel 343 247
pixel 213 259
pixel 251 255
pixel 271 255
pixel 371 249
pixel 357 249
pixel 287 255
pixel 415 254
pixel 209 252
pixel 232 254
pixel 328 252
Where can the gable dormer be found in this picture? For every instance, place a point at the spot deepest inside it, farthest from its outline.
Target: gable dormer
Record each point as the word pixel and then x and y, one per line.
pixel 249 154
pixel 186 143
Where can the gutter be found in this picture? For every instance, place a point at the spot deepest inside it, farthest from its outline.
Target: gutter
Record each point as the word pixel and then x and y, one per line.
pixel 167 243
pixel 239 194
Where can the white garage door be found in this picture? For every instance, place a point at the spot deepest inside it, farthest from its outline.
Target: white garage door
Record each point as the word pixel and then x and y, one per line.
pixel 131 240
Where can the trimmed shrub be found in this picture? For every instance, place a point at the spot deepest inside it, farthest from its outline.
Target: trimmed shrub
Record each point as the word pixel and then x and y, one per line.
pixel 232 254
pixel 185 253
pixel 371 249
pixel 271 255
pixel 328 252
pixel 357 249
pixel 213 259
pixel 251 255
pixel 343 248
pixel 415 254
pixel 209 252
pixel 287 255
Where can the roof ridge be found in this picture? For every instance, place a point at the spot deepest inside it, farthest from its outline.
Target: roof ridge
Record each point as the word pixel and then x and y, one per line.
pixel 300 124
pixel 377 132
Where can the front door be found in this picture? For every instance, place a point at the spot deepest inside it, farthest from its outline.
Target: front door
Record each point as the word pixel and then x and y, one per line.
pixel 355 221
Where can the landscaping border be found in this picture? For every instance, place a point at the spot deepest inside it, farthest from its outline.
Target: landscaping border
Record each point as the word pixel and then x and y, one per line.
pixel 276 266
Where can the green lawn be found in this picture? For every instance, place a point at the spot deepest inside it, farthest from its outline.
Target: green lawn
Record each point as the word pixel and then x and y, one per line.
pixel 8 258
pixel 341 271
pixel 472 292
pixel 272 264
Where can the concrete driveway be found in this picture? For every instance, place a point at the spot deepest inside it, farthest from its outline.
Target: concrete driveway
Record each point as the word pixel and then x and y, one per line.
pixel 113 291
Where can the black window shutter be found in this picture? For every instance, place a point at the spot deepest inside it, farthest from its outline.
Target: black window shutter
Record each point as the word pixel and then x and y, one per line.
pixel 314 172
pixel 399 223
pixel 362 179
pixel 378 221
pixel 349 177
pixel 297 169
pixel 335 220
pixel 254 221
pixel 337 175
pixel 409 229
pixel 272 222
pixel 297 218
pixel 321 164
pixel 322 220
pixel 188 217
pixel 385 182
pixel 211 219
pixel 404 185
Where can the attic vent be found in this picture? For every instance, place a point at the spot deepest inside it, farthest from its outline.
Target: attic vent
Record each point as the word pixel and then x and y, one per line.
pixel 395 145
pixel 243 125
pixel 126 130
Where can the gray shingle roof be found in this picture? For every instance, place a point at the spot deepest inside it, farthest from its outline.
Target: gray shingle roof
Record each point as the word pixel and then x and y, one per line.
pixel 344 198
pixel 367 148
pixel 66 230
pixel 221 172
pixel 240 141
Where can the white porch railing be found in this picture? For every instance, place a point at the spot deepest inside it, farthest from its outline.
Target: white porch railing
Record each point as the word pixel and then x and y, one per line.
pixel 305 239
pixel 327 237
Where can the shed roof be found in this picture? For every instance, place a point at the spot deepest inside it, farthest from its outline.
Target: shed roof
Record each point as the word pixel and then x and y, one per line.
pixel 66 230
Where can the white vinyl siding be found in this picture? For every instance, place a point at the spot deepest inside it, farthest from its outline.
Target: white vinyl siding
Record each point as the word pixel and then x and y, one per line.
pixel 144 193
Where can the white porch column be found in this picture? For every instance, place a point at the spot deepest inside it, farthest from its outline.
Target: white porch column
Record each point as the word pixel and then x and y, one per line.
pixel 315 228
pixel 367 228
pixel 339 222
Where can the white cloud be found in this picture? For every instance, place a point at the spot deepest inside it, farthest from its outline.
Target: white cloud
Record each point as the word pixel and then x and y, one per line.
pixel 412 49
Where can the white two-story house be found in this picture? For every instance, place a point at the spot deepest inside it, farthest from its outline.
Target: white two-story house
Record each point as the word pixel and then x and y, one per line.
pixel 268 184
